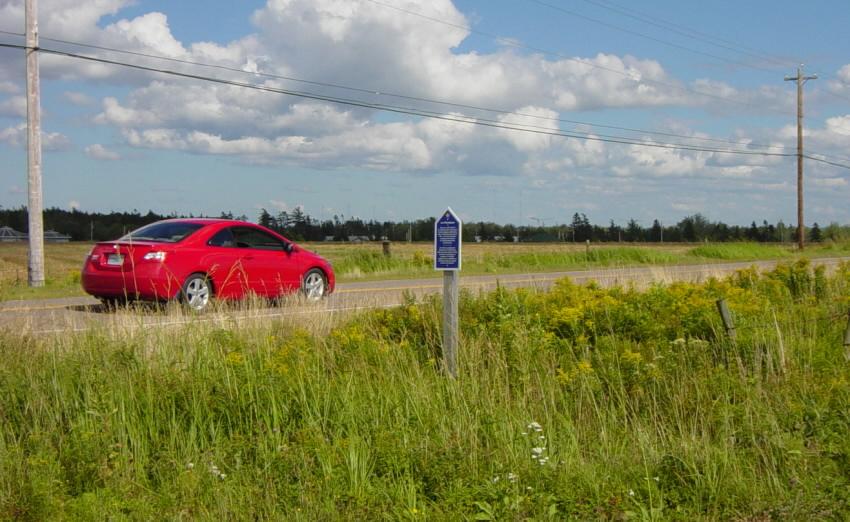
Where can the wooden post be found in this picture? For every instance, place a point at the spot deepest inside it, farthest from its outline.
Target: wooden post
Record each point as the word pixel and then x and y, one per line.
pixel 448 242
pixel 847 340
pixel 450 320
pixel 34 205
pixel 386 248
pixel 726 316
pixel 800 79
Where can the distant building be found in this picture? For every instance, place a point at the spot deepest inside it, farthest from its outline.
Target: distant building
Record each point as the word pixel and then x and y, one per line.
pixel 359 239
pixel 52 236
pixel 10 235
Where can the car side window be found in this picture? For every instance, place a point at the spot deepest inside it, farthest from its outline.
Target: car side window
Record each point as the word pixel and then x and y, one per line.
pixel 253 238
pixel 222 238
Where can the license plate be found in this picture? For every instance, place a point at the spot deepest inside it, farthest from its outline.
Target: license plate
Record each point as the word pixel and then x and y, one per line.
pixel 115 260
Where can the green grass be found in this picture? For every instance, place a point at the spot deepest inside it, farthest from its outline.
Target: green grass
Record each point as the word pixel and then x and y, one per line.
pixel 646 411
pixel 740 251
pixel 364 262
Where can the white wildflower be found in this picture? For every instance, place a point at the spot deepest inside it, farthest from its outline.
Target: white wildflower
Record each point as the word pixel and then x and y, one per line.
pixel 534 426
pixel 631 492
pixel 190 465
pixel 537 452
pixel 512 476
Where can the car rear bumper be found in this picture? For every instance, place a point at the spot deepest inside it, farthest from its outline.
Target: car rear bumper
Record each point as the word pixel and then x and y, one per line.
pixel 150 283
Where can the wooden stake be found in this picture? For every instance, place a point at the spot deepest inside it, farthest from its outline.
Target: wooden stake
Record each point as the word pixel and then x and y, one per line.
pixel 726 316
pixel 847 340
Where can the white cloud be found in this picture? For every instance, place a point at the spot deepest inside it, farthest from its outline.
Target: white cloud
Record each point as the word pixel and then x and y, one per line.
pixel 99 152
pixel 16 136
pixel 830 182
pixel 78 98
pixel 14 107
pixel 278 205
pixel 841 84
pixel 359 43
pixel 8 88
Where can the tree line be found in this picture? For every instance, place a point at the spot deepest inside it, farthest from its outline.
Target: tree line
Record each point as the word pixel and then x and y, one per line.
pixel 300 226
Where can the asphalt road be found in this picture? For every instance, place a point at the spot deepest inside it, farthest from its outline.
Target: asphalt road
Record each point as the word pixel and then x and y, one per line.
pixel 57 316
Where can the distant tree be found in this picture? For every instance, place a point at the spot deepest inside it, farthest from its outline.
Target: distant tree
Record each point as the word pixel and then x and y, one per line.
pixel 576 227
pixel 614 232
pixel 266 219
pixel 633 231
pixel 753 232
pixel 833 232
pixel 815 236
pixel 655 231
pixel 689 231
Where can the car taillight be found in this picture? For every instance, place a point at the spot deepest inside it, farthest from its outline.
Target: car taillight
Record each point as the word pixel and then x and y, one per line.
pixel 154 256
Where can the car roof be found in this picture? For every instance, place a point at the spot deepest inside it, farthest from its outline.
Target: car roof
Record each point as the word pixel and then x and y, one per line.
pixel 206 221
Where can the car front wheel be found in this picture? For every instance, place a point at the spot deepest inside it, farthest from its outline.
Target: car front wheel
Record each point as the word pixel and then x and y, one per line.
pixel 197 292
pixel 314 285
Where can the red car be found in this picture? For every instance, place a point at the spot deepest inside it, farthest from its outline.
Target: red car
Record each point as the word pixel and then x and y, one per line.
pixel 195 260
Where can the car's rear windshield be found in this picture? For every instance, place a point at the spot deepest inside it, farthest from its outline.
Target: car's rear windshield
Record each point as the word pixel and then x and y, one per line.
pixel 163 232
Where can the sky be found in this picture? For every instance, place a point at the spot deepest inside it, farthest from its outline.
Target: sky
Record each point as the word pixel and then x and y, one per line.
pixel 704 75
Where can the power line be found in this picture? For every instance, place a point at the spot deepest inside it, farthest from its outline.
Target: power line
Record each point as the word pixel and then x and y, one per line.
pixel 377 92
pixel 697 35
pixel 646 36
pixel 512 43
pixel 428 114
pixel 406 110
pixel 833 163
pixel 691 33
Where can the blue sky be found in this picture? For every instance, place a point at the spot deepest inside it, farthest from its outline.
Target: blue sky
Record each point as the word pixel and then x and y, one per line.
pixel 121 139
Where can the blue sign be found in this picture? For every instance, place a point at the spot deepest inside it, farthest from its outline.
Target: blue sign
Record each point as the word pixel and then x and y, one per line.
pixel 447 241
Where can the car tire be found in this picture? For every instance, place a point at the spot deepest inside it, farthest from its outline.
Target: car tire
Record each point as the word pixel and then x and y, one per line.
pixel 197 292
pixel 314 285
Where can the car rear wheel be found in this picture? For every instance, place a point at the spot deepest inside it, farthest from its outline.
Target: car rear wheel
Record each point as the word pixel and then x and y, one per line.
pixel 314 285
pixel 197 292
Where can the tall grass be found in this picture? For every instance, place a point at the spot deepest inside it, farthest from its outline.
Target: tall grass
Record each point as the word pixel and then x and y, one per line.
pixel 645 410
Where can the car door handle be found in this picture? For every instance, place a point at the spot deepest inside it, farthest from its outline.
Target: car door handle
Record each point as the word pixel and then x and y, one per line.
pixel 248 258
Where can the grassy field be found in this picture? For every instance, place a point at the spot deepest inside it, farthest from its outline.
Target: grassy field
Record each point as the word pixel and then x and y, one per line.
pixel 356 262
pixel 580 403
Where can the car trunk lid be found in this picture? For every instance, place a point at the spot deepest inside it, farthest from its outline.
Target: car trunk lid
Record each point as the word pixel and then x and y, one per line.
pixel 121 255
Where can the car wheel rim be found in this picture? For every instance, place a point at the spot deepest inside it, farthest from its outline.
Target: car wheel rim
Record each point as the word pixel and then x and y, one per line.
pixel 197 293
pixel 314 286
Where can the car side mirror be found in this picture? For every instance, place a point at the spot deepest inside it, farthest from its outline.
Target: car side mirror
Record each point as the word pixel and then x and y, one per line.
pixel 287 247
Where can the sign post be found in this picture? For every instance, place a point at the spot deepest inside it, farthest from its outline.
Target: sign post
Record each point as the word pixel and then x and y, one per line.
pixel 447 258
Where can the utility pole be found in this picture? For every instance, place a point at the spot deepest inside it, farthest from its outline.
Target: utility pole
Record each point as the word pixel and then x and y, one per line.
pixel 35 268
pixel 800 79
